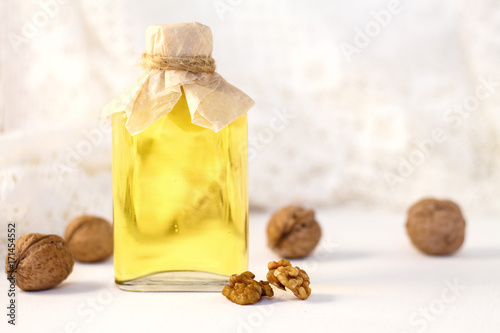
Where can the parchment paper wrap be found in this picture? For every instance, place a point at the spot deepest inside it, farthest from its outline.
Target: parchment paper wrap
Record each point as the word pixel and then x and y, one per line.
pixel 213 103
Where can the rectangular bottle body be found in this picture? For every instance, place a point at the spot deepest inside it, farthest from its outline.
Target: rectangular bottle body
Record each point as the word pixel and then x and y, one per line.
pixel 180 203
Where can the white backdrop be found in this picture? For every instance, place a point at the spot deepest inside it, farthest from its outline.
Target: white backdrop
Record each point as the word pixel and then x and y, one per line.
pixel 381 102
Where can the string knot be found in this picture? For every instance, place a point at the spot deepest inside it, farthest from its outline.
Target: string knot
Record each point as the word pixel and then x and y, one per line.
pixel 190 64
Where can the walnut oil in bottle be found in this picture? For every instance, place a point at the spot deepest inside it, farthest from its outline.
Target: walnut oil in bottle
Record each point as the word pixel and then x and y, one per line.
pixel 180 203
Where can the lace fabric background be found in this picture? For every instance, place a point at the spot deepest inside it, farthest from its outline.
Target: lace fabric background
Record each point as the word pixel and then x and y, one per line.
pixel 326 131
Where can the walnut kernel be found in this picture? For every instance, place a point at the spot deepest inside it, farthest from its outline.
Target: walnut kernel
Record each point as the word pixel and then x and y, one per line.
pixel 89 238
pixel 292 232
pixel 243 289
pixel 283 275
pixel 41 262
pixel 436 227
pixel 267 290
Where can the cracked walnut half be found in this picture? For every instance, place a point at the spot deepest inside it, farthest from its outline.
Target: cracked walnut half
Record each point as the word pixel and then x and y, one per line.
pixel 243 289
pixel 283 275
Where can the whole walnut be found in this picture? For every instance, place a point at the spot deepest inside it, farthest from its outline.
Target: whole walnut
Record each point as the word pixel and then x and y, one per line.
pixel 436 226
pixel 40 262
pixel 292 232
pixel 89 238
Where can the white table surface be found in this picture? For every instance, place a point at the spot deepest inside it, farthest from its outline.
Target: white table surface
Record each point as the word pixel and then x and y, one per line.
pixel 365 277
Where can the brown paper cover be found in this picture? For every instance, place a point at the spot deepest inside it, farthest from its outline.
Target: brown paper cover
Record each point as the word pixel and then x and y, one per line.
pixel 213 103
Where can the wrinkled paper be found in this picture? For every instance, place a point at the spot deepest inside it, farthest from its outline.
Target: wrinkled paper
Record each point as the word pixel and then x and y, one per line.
pixel 213 103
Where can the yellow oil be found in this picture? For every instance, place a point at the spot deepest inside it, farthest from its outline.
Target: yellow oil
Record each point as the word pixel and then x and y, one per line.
pixel 180 199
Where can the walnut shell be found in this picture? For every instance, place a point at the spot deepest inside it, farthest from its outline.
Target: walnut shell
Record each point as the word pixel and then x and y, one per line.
pixel 292 232
pixel 436 226
pixel 41 262
pixel 89 238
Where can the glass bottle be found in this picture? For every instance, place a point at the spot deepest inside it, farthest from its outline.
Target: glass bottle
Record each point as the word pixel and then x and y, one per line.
pixel 180 188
